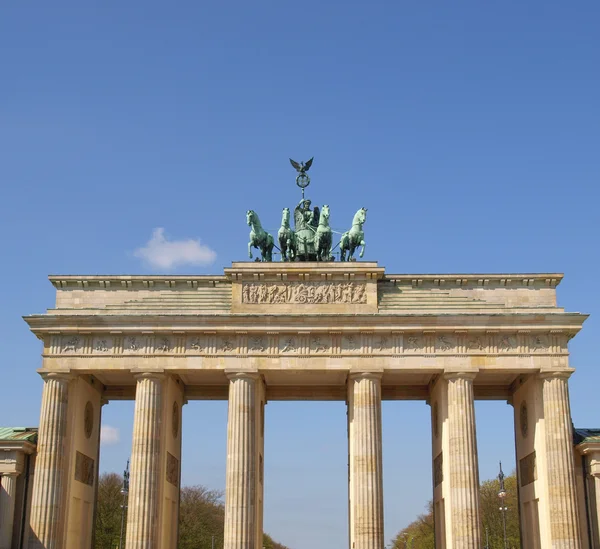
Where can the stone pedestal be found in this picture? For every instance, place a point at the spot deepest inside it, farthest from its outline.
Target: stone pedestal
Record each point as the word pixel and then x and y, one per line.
pixel 142 519
pixel 7 508
pixel 562 498
pixel 365 461
pixel 462 466
pixel 243 496
pixel 48 499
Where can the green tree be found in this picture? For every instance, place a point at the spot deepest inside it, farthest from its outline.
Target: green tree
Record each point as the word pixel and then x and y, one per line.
pixel 201 516
pixel 491 515
pixel 108 511
pixel 419 534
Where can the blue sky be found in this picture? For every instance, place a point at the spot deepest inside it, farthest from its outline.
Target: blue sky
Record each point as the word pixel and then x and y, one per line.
pixel 470 130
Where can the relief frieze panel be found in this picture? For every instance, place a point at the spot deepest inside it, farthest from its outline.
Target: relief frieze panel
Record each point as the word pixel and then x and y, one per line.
pixel 445 343
pixel 351 343
pixel 320 344
pixel 365 343
pixel 84 469
pixel 288 344
pixel 196 344
pixel 413 344
pixel 226 344
pixel 306 293
pixel 102 345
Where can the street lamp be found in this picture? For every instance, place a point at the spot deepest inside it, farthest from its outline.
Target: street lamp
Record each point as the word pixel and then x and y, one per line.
pixel 407 544
pixel 125 493
pixel 502 495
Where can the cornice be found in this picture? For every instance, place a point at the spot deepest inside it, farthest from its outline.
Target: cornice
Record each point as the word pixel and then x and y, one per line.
pixel 485 280
pixel 101 282
pixel 568 322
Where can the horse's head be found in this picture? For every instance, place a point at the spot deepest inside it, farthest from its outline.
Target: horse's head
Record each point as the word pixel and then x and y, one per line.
pixel 360 216
pixel 250 217
pixel 285 216
pixel 325 212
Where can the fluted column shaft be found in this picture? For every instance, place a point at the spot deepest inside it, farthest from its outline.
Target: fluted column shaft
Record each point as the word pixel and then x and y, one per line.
pixel 463 467
pixel 7 508
pixel 241 481
pixel 142 515
pixel 366 470
pixel 47 501
pixel 564 522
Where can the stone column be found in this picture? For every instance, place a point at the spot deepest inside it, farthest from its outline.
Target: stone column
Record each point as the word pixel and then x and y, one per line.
pixel 562 495
pixel 242 455
pixel 142 518
pixel 462 458
pixel 48 498
pixel 7 508
pixel 366 470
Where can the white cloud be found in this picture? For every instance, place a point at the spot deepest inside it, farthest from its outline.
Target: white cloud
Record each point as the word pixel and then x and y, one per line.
pixel 109 435
pixel 161 253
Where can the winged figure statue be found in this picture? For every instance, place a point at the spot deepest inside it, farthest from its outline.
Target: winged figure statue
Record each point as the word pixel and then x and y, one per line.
pixel 302 167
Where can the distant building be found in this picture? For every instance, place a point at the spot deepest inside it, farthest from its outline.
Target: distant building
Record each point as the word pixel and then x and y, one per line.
pixel 587 472
pixel 17 460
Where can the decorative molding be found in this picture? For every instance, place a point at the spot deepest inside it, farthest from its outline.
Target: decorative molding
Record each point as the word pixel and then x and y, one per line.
pixel 438 470
pixel 84 469
pixel 528 469
pixel 313 343
pixel 172 470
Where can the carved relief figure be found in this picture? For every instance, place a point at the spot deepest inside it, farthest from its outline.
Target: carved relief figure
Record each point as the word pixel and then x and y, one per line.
pixel 132 344
pixel 538 344
pixel 289 346
pixel 443 343
pixel 227 345
pixel 71 345
pixel 164 345
pixel 196 345
pixel 413 343
pixel 476 344
pixel 304 293
pixel 507 343
pixel 351 343
pixel 318 345
pixel 382 344
pixel 101 346
pixel 257 344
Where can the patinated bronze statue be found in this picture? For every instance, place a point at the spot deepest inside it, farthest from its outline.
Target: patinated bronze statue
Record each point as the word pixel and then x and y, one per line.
pixel 302 167
pixel 311 239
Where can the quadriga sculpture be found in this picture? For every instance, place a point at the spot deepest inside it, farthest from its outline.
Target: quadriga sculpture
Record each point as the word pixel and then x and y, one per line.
pixel 354 237
pixel 286 237
pixel 259 238
pixel 323 236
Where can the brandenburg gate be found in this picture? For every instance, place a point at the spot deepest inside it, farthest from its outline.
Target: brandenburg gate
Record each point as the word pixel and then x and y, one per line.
pixel 308 330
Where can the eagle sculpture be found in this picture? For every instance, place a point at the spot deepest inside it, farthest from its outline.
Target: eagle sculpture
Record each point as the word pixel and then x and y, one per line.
pixel 302 167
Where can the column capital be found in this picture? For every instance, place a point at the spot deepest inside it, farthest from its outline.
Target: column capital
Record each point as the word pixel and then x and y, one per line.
pixel 556 374
pixel 461 374
pixel 11 474
pixel 62 375
pixel 365 375
pixel 240 374
pixel 148 374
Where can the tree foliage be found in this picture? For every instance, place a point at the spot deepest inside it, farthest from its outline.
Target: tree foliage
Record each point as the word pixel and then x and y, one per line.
pixel 108 512
pixel 201 516
pixel 419 534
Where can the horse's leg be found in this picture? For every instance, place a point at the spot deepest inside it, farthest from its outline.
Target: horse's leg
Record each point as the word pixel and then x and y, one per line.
pixel 352 249
pixel 250 249
pixel 362 252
